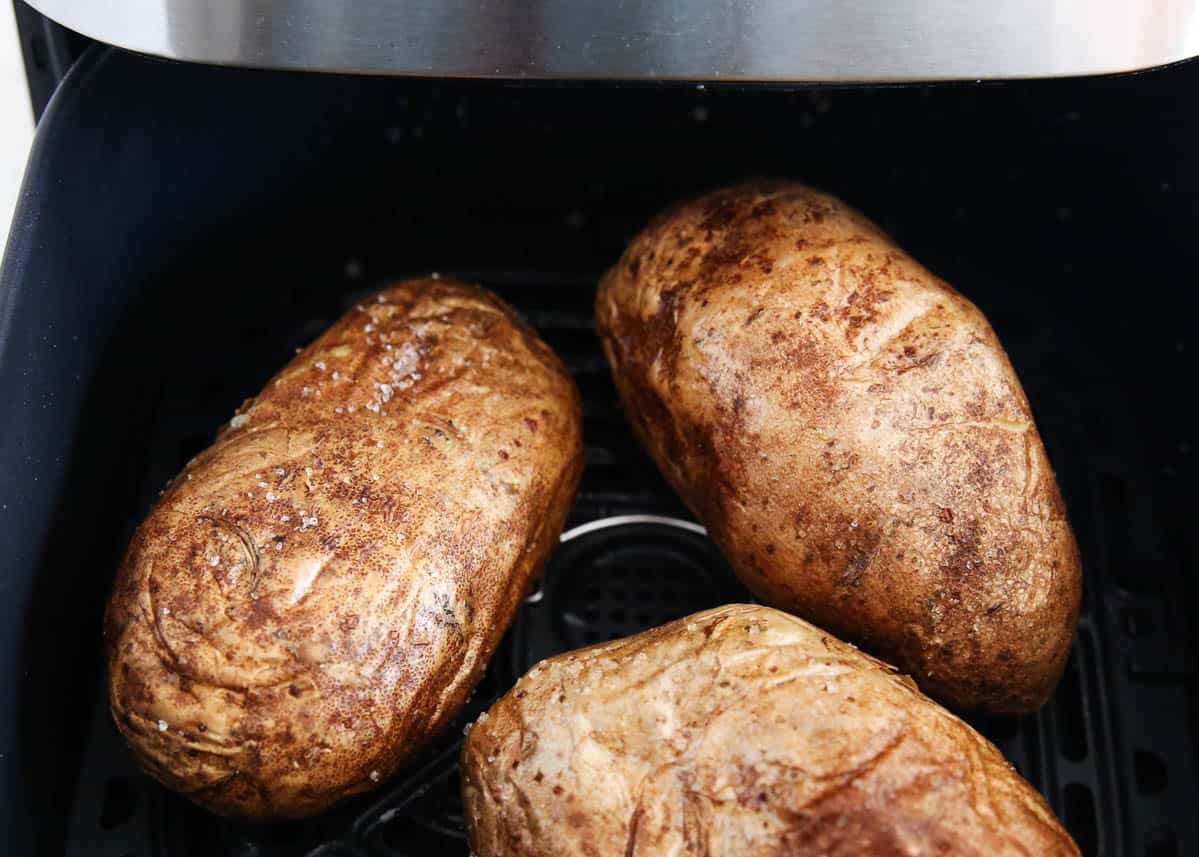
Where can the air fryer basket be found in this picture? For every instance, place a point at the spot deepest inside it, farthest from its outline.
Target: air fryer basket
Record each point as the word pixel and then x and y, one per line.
pixel 183 229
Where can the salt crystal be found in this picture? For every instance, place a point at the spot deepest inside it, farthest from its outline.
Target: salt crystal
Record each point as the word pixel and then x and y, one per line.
pixel 374 776
pixel 261 484
pixel 305 523
pixel 285 518
pixel 214 560
pixel 271 496
pixel 279 471
pixel 162 726
pixel 320 364
pixel 335 376
pixel 379 444
pixel 166 611
pixel 238 421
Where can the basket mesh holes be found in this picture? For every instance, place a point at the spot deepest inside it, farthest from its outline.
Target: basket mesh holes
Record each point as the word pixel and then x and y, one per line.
pixel 1113 494
pixel 1068 707
pixel 1079 816
pixel 1001 729
pixel 1149 770
pixel 1161 842
pixel 119 804
pixel 452 815
pixel 1136 622
pixel 403 836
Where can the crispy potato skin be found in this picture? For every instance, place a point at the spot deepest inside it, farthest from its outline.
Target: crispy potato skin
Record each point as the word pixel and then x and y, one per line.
pixel 739 732
pixel 852 434
pixel 318 592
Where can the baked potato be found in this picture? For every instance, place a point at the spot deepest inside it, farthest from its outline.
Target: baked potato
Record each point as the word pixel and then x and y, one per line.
pixel 850 431
pixel 318 592
pixel 738 732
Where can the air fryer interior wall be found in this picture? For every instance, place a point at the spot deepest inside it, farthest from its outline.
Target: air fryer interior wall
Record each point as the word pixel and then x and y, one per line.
pixel 184 228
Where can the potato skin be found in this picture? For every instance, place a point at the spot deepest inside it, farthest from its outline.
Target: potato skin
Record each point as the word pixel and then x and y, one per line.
pixel 852 434
pixel 318 592
pixel 738 732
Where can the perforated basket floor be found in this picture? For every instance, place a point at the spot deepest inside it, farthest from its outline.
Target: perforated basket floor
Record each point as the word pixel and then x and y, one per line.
pixel 1101 751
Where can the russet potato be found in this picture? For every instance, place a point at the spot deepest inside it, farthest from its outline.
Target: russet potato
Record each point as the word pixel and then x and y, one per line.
pixel 738 732
pixel 318 592
pixel 850 431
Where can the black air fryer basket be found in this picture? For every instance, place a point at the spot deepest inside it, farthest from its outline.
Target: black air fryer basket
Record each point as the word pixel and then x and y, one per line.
pixel 183 228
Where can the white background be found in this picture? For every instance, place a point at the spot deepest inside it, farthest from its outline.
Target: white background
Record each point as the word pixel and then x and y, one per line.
pixel 16 117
